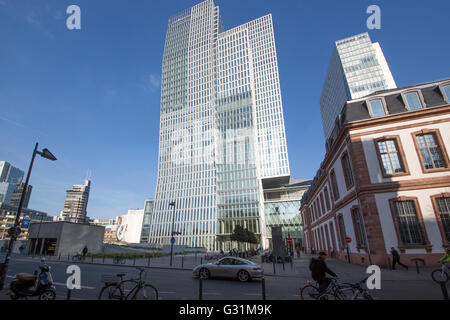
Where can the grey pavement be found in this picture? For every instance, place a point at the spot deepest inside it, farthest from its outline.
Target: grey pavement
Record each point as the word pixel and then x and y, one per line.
pixel 177 283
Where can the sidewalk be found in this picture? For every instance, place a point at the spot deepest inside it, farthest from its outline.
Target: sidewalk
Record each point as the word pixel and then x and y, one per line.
pixel 346 271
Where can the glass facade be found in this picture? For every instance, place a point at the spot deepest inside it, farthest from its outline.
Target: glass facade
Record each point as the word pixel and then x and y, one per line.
pixel 357 69
pixel 221 128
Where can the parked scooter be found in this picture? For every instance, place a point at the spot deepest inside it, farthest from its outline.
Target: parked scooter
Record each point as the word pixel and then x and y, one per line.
pixel 33 285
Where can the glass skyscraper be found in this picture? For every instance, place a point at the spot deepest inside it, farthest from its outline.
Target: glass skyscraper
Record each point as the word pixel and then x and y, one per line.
pixel 222 135
pixel 357 68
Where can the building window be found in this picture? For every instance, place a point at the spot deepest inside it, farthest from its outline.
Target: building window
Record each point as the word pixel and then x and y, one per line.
pixel 347 168
pixel 409 223
pixel 327 199
pixel 359 228
pixel 376 108
pixel 431 150
pixel 342 232
pixel 445 90
pixel 441 204
pixel 413 101
pixel 322 204
pixel 334 185
pixel 391 156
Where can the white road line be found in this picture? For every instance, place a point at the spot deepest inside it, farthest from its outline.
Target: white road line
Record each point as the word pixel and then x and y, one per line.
pixel 166 292
pixel 64 284
pixel 213 293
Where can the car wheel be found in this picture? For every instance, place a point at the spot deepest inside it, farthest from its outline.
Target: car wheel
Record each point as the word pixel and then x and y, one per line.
pixel 243 276
pixel 204 273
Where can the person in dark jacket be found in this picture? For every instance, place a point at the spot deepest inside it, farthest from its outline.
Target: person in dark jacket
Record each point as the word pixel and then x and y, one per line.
pixel 319 270
pixel 396 259
pixel 85 251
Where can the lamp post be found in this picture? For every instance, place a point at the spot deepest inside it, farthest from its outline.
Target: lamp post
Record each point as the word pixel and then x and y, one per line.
pixel 172 239
pixel 45 153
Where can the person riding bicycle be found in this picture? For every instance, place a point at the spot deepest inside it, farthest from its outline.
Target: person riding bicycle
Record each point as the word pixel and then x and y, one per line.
pixel 319 270
pixel 446 257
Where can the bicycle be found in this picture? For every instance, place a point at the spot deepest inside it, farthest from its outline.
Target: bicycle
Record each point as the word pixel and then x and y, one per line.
pixel 131 289
pixel 119 259
pixel 336 291
pixel 78 257
pixel 441 274
pixel 311 291
pixel 349 291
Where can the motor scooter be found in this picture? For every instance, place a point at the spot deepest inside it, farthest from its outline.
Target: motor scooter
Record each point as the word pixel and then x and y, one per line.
pixel 39 285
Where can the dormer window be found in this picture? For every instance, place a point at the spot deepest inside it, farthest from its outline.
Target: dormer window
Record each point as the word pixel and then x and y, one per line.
pixel 413 100
pixel 376 108
pixel 445 90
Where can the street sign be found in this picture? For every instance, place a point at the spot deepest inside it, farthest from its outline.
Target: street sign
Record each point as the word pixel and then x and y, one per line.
pixel 289 240
pixel 25 223
pixel 348 239
pixel 172 240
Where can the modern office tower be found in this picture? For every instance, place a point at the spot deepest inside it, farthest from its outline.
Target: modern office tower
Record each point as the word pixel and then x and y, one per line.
pixel 148 210
pixel 357 69
pixel 11 185
pixel 17 194
pixel 222 136
pixel 75 205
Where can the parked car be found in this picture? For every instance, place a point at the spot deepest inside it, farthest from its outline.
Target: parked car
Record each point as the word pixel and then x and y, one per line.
pixel 229 267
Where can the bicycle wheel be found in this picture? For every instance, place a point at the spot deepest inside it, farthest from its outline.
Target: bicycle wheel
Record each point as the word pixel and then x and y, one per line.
pixel 439 275
pixel 309 292
pixel 147 292
pixel 111 292
pixel 344 292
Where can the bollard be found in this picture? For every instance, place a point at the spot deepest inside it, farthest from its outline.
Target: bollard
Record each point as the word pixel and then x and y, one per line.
pixel 417 266
pixel 201 260
pixel 134 260
pixel 283 266
pixel 200 289
pixel 59 257
pixel 273 262
pixel 103 259
pixel 263 284
pixel 182 262
pixel 69 293
pixel 444 289
pixel 148 261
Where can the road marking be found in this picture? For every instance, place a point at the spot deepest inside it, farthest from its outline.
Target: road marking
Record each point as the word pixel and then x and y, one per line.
pixel 166 292
pixel 213 293
pixel 64 284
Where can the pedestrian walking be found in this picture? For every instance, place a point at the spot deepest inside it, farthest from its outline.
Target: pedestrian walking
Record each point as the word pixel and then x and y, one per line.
pixel 85 251
pixel 21 249
pixel 396 259
pixel 298 252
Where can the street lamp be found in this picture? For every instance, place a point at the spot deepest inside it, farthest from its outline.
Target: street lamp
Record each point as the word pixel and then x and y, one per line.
pixel 15 230
pixel 172 239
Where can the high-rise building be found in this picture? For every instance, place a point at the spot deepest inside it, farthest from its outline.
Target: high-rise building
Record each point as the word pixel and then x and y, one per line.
pixel 357 69
pixel 11 185
pixel 75 205
pixel 222 136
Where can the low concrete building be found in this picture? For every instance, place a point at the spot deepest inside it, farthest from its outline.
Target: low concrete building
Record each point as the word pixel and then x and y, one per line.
pixel 62 237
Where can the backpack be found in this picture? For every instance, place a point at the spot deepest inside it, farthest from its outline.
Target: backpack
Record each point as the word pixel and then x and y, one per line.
pixel 312 264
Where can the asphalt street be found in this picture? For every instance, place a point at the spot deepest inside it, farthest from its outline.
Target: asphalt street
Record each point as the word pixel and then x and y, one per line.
pixel 177 284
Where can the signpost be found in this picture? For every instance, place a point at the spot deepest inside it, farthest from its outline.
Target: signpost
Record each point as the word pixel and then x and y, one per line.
pixel 25 223
pixel 348 240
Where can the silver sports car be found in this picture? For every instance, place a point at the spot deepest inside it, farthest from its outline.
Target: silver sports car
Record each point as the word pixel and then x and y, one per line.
pixel 229 267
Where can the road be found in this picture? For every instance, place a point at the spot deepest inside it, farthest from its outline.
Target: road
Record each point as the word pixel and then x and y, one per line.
pixel 177 284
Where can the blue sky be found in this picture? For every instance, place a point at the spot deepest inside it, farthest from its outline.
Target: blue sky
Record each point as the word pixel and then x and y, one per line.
pixel 92 96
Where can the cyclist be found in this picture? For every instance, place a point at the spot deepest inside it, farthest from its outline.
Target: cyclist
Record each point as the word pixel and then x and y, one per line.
pixel 446 257
pixel 319 270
